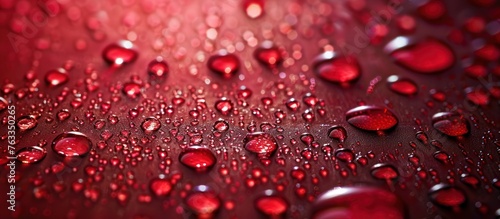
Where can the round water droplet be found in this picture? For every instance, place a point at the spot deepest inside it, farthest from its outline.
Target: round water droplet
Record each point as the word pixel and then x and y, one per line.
pixel 158 68
pixel 427 56
pixel 150 125
pixel 260 143
pixel 344 154
pixel 197 157
pixel 203 202
pixel 132 89
pixel 32 154
pixel 337 68
pixel 71 144
pixel 447 196
pixel 337 132
pixel 271 204
pixel 224 64
pixel 451 124
pixel 56 77
pixel 371 118
pixel 120 53
pixel 402 86
pixel 224 106
pixel 160 186
pixel 384 171
pixel 244 92
pixel 26 123
pixel 268 54
pixel 358 202
pixel 221 126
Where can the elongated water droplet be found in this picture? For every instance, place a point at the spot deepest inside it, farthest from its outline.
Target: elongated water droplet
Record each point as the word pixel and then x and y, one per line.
pixel 371 118
pixel 203 202
pixel 271 204
pixel 26 123
pixel 120 53
pixel 56 77
pixel 32 154
pixel 197 157
pixel 71 144
pixel 427 56
pixel 402 86
pixel 337 68
pixel 447 196
pixel 384 171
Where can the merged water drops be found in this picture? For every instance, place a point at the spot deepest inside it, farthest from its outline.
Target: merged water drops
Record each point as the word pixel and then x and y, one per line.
pixel 203 201
pixel 358 202
pixel 337 68
pixel 371 118
pixel 268 54
pixel 56 77
pixel 26 123
pixel 260 143
pixel 447 196
pixel 31 154
pixel 198 158
pixel 271 204
pixel 120 53
pixel 427 56
pixel 402 86
pixel 451 124
pixel 224 64
pixel 71 144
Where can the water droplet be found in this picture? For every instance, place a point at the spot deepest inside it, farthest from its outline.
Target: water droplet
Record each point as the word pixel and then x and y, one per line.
pixel 447 196
pixel 293 104
pixel 224 106
pixel 224 64
pixel 451 124
pixel 26 123
pixel 150 125
pixel 358 202
pixel 254 8
pixel 203 202
pixel 244 92
pixel 337 132
pixel 158 68
pixel 345 155
pixel 4 104
pixel 260 143
pixel 384 171
pixel 478 96
pixel 271 205
pixel 402 86
pixel 371 118
pixel 63 115
pixel 32 154
pixel 71 144
pixel 432 10
pixel 160 186
pixel 197 157
pixel 427 56
pixel 132 89
pixel 221 126
pixel 56 77
pixel 268 54
pixel 337 68
pixel 120 53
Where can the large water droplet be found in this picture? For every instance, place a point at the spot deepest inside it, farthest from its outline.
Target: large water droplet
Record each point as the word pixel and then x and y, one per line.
pixel 451 124
pixel 119 53
pixel 224 64
pixel 26 123
pixel 260 143
pixel 56 77
pixel 271 204
pixel 197 157
pixel 71 144
pixel 402 86
pixel 203 202
pixel 371 118
pixel 150 125
pixel 337 68
pixel 427 56
pixel 358 202
pixel 447 196
pixel 32 154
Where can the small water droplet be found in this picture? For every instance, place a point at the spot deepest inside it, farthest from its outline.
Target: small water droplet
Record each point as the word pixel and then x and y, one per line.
pixel 26 123
pixel 132 89
pixel 268 54
pixel 160 186
pixel 224 106
pixel 150 125
pixel 158 68
pixel 402 86
pixel 56 77
pixel 32 154
pixel 371 118
pixel 120 53
pixel 4 104
pixel 384 171
pixel 221 126
pixel 337 132
pixel 197 157
pixel 71 144
pixel 224 64
pixel 260 143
